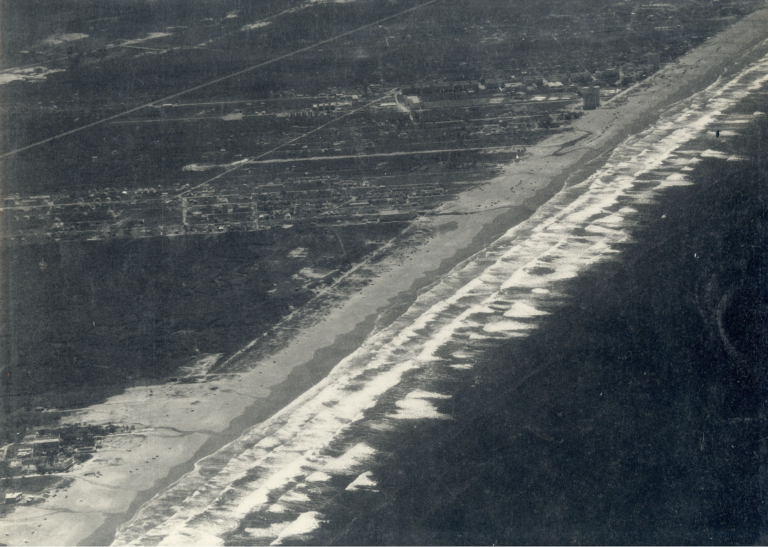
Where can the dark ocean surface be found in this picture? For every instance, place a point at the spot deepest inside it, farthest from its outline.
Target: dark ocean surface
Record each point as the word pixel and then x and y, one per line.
pixel 636 414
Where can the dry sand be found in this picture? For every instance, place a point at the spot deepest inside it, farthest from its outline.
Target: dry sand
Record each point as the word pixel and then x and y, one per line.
pixel 177 424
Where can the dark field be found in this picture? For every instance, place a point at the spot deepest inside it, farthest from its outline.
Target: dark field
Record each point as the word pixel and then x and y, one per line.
pixel 88 318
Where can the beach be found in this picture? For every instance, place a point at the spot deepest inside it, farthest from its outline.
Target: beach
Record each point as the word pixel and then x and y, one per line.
pixel 178 425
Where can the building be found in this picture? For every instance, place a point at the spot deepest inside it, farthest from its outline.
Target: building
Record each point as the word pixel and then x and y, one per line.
pixel 63 463
pixel 413 102
pixel 13 497
pixel 396 216
pixel 591 96
pixel 40 445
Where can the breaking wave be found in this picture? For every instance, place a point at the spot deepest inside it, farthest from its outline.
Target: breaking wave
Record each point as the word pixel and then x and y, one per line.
pixel 271 485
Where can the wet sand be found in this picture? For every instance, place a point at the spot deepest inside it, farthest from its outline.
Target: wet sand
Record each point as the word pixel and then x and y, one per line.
pixel 177 425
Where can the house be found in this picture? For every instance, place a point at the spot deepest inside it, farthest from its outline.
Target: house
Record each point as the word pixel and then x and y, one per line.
pixel 13 497
pixel 413 102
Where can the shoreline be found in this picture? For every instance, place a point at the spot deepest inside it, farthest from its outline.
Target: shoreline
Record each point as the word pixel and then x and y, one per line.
pixel 281 478
pixel 490 229
pixel 479 216
pixel 513 215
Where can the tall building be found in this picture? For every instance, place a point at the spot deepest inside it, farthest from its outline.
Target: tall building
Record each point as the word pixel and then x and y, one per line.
pixel 591 96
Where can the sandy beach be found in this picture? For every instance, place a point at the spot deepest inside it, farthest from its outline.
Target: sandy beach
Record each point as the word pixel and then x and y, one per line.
pixel 178 424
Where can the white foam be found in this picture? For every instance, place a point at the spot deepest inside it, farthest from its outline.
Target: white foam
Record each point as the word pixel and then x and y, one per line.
pixel 191 537
pixel 362 482
pixel 306 523
pixel 198 167
pixel 268 442
pixel 254 26
pixel 287 471
pixel 420 394
pixel 416 409
pixel 357 455
pixel 150 36
pixel 318 476
pixel 677 179
pixel 30 74
pixel 522 310
pixel 62 38
pixel 292 496
pixel 504 326
pixel 270 533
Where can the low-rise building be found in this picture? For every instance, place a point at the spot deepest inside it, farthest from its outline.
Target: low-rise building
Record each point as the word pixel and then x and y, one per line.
pixel 40 444
pixel 395 215
pixel 13 497
pixel 63 463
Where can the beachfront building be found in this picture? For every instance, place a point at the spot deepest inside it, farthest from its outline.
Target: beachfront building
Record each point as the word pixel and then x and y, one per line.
pixel 33 444
pixel 12 497
pixel 591 96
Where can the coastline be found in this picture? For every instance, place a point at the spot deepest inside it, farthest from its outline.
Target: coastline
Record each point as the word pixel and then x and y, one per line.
pixel 603 419
pixel 461 229
pixel 279 481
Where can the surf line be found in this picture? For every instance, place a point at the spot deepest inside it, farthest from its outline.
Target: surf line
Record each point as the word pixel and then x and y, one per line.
pixel 217 80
